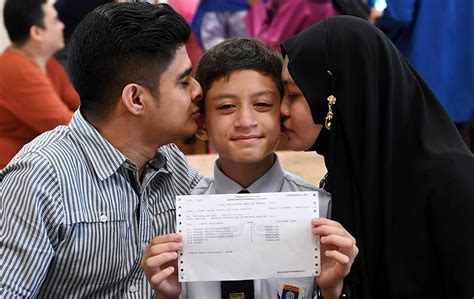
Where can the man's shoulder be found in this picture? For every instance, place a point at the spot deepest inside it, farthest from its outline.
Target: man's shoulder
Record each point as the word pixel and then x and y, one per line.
pixel 53 146
pixel 174 157
pixel 14 65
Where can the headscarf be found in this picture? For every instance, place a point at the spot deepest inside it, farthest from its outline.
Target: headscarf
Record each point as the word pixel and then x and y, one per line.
pixel 400 174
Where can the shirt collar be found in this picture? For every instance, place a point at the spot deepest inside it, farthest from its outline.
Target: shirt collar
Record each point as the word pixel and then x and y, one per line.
pixel 105 158
pixel 271 181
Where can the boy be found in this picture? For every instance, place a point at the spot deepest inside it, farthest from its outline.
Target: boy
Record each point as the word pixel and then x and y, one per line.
pixel 242 90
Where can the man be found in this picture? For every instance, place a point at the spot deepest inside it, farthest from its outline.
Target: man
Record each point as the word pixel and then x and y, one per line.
pixel 35 93
pixel 80 203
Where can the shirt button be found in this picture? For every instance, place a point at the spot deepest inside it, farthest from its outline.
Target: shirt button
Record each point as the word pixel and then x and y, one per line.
pixel 103 218
pixel 132 289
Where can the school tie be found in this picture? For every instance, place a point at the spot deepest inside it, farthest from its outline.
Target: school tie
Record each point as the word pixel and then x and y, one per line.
pixel 240 289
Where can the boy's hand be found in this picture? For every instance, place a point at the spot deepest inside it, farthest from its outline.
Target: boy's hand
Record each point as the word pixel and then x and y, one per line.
pixel 160 265
pixel 338 251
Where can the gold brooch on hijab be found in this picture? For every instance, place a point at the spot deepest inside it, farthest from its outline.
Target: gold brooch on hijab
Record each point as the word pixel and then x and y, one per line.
pixel 328 119
pixel 331 101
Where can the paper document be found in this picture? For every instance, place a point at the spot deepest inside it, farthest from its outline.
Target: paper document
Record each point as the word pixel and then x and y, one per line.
pixel 247 236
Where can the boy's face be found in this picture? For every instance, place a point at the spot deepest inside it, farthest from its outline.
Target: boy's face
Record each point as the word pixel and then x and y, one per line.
pixel 242 117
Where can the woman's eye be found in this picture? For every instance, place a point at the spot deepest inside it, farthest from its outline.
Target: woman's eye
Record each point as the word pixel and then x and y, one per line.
pixel 293 96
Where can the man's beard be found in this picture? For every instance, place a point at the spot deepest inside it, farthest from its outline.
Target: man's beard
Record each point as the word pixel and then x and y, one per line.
pixel 190 140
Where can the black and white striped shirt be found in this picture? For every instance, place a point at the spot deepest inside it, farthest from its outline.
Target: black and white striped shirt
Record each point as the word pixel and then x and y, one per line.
pixel 75 219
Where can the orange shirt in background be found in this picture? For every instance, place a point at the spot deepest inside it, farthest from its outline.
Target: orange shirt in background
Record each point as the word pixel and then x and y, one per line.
pixel 31 102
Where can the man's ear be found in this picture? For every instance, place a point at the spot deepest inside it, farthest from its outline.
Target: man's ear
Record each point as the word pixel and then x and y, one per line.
pixel 202 130
pixel 133 98
pixel 35 33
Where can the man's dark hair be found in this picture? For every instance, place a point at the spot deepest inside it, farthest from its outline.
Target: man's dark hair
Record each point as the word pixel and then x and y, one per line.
pixel 20 15
pixel 122 43
pixel 238 54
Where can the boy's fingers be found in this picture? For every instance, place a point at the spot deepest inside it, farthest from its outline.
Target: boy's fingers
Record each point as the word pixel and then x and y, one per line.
pixel 337 256
pixel 158 278
pixel 325 230
pixel 166 239
pixel 338 241
pixel 152 250
pixel 157 261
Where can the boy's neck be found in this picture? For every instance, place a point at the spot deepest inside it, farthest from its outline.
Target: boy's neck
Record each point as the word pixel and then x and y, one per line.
pixel 246 174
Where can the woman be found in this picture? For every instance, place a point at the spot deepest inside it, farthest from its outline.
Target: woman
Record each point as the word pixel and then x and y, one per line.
pixel 399 173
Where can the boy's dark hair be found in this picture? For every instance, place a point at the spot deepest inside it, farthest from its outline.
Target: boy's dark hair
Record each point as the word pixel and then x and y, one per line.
pixel 122 43
pixel 237 54
pixel 20 15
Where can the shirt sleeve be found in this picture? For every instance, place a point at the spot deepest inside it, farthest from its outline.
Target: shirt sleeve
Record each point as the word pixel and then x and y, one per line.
pixel 29 196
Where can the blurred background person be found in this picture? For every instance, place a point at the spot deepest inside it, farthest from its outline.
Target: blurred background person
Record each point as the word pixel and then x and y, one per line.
pixel 273 21
pixel 437 38
pixel 35 92
pixel 218 20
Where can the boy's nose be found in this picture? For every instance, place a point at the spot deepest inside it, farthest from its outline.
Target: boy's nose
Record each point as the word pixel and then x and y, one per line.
pixel 246 118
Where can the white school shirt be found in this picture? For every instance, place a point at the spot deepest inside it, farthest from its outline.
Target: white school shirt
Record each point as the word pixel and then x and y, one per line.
pixel 274 180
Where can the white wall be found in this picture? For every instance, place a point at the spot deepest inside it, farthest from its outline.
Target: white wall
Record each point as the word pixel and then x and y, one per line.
pixel 4 40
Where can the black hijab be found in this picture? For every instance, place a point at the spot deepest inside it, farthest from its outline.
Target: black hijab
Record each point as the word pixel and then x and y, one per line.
pixel 400 175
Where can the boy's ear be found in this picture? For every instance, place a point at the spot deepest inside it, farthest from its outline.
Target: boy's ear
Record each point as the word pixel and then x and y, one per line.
pixel 202 131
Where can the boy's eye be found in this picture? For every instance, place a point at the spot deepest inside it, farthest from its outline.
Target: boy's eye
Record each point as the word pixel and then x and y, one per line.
pixel 263 104
pixel 185 83
pixel 225 107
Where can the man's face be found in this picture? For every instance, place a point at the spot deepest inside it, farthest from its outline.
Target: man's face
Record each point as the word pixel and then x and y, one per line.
pixel 52 33
pixel 242 117
pixel 173 115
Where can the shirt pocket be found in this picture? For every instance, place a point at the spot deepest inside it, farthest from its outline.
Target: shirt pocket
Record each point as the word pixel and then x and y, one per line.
pixel 97 250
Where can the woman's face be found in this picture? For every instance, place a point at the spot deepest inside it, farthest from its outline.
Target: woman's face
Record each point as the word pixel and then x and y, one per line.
pixel 297 123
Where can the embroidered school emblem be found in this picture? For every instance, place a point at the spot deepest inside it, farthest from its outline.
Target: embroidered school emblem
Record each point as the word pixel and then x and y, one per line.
pixel 290 292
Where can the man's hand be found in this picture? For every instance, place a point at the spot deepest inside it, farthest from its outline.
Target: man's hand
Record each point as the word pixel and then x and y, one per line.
pixel 338 251
pixel 160 265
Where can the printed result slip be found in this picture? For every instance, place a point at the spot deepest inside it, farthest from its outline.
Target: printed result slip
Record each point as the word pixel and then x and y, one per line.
pixel 247 236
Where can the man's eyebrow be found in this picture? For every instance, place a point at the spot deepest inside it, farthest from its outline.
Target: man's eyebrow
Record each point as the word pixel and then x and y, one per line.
pixel 184 74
